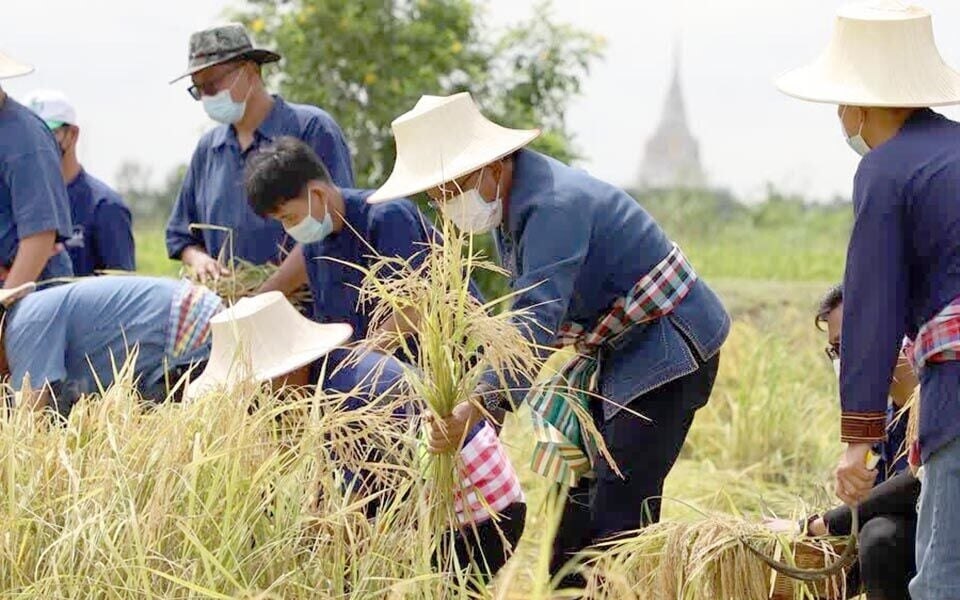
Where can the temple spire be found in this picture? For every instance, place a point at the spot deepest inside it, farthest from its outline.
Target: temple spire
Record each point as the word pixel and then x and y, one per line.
pixel 672 154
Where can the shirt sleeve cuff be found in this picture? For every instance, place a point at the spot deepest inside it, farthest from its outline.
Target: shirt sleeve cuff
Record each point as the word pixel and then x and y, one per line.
pixel 863 427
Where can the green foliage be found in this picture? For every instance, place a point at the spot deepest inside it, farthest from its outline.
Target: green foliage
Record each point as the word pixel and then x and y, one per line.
pixel 368 61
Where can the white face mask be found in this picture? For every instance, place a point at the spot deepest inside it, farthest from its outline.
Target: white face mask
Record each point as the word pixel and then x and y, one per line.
pixel 222 108
pixel 310 230
pixel 472 213
pixel 856 142
pixel 836 367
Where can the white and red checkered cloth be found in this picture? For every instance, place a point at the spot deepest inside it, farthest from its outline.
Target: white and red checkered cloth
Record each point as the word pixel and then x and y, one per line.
pixel 489 484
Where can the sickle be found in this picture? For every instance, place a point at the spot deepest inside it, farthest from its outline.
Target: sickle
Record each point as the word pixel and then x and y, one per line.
pixel 846 559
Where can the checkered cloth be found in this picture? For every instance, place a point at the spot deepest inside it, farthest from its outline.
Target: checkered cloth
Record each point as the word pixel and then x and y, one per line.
pixel 562 453
pixel 937 341
pixel 939 338
pixel 188 328
pixel 489 484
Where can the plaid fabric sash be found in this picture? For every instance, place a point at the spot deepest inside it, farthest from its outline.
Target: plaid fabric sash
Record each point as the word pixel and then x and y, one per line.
pixel 562 453
pixel 188 329
pixel 939 338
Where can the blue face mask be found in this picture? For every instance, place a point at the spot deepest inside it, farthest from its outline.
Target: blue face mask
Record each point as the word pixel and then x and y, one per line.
pixel 221 106
pixel 310 230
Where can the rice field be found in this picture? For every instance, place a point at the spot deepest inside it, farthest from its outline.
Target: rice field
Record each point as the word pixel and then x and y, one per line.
pixel 216 500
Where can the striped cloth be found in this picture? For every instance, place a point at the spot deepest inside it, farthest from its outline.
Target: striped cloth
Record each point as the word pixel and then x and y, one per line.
pixel 562 453
pixel 488 482
pixel 188 329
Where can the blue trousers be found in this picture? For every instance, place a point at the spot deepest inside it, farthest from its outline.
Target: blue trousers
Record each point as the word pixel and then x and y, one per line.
pixel 938 527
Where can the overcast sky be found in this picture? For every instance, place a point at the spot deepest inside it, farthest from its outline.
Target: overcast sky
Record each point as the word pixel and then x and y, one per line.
pixel 114 58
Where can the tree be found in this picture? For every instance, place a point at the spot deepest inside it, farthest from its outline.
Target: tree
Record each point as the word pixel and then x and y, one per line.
pixel 368 61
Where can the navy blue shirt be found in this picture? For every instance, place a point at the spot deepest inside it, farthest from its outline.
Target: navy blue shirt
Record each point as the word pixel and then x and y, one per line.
pixel 391 229
pixel 575 244
pixel 213 193
pixel 33 198
pixel 903 267
pixel 102 228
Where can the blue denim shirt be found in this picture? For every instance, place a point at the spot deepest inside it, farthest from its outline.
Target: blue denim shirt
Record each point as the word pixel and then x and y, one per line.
pixel 102 228
pixel 903 267
pixel 33 198
pixel 213 192
pixel 580 244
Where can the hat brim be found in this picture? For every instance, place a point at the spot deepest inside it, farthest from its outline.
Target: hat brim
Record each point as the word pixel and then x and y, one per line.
pixel 10 68
pixel 814 83
pixel 325 339
pixel 404 182
pixel 257 55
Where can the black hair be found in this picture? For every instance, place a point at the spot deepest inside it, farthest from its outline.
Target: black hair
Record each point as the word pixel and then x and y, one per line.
pixel 280 172
pixel 830 301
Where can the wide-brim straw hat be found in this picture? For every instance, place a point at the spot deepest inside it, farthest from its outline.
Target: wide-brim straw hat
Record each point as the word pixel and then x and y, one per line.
pixel 221 44
pixel 882 54
pixel 261 338
pixel 10 68
pixel 444 138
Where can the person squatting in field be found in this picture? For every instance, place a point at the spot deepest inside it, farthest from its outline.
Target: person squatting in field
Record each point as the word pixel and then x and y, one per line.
pixel 337 229
pixel 225 69
pixel 578 251
pixel 34 210
pixel 888 515
pixel 883 70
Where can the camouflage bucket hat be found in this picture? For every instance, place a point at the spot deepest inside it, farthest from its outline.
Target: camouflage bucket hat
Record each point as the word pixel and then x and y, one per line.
pixel 222 44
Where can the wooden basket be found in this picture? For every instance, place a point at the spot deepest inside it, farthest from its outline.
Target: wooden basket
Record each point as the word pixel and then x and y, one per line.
pixel 811 554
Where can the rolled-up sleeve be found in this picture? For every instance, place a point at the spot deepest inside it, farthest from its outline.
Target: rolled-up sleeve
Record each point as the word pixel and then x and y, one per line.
pixel 875 288
pixel 179 236
pixel 326 138
pixel 551 251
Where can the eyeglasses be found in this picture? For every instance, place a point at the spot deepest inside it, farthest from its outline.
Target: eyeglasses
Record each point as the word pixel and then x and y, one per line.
pixel 832 351
pixel 209 88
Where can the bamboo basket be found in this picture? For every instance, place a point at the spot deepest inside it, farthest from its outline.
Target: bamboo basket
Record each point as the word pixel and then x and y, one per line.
pixel 811 554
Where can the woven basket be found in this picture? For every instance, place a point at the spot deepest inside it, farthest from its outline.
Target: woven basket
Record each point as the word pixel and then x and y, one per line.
pixel 811 555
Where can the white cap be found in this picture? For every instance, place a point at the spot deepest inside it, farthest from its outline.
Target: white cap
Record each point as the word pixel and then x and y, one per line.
pixel 53 107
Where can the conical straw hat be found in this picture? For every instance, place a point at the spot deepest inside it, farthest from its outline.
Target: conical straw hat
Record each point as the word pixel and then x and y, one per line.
pixel 882 54
pixel 444 138
pixel 12 68
pixel 264 337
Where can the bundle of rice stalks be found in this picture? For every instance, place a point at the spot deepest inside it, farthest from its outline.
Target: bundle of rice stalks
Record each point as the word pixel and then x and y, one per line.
pixel 454 338
pixel 706 559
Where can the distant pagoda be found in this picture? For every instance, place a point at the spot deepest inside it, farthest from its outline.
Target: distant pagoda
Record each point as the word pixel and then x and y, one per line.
pixel 672 155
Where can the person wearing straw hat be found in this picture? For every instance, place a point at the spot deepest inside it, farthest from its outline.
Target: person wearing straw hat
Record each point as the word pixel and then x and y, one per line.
pixel 211 220
pixel 102 225
pixel 34 210
pixel 490 509
pixel 883 70
pixel 593 269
